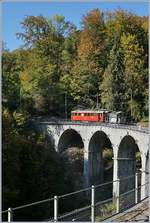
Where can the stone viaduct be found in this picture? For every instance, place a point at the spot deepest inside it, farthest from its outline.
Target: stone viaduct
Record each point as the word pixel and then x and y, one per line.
pixel 93 137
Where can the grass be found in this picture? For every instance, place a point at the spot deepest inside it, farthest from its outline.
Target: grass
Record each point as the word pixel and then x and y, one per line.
pixel 105 211
pixel 144 122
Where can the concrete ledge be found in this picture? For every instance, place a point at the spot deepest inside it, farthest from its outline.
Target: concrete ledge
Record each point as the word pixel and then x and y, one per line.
pixel 115 217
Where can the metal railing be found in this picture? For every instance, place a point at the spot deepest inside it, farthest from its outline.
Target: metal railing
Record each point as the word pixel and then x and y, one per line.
pixel 94 206
pixel 133 127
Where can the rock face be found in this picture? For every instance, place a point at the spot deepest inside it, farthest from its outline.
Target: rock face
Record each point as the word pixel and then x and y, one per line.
pixel 73 154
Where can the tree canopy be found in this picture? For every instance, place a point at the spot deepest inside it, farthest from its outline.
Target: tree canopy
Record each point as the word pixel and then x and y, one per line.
pixel 107 58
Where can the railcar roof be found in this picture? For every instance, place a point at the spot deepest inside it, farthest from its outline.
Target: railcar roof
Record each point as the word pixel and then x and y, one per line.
pixel 89 111
pixel 116 112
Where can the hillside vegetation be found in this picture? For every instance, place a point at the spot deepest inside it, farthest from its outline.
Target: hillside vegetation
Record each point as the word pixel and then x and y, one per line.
pixel 106 60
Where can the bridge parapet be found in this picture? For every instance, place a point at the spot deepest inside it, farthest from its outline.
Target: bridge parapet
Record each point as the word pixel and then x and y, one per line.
pixel 118 126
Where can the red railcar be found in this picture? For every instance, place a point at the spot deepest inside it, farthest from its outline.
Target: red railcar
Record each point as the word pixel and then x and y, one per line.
pixel 91 116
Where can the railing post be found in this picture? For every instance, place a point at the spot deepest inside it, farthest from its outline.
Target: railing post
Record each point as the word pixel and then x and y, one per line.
pixel 55 208
pixel 136 188
pixel 92 203
pixel 10 215
pixel 118 195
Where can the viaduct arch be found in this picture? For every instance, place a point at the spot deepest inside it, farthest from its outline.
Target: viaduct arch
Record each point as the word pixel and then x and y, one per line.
pixel 124 141
pixel 97 143
pixel 70 138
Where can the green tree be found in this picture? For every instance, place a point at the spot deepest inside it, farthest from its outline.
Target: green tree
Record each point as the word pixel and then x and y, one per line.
pixel 91 59
pixel 113 85
pixel 84 83
pixel 11 80
pixel 43 70
pixel 136 78
pixel 69 55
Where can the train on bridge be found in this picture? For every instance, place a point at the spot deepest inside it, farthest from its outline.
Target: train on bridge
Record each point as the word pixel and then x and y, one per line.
pixel 99 116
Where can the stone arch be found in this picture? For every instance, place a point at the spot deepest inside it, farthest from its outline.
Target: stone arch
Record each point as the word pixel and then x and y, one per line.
pixel 97 143
pixel 71 150
pixel 70 138
pixel 127 166
pixel 126 156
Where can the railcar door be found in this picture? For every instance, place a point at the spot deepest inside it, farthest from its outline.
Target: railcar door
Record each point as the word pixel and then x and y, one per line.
pixel 103 117
pixel 113 118
pixel 107 117
pixel 100 117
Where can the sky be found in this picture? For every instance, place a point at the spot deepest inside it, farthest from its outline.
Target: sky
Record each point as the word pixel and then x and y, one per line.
pixel 14 12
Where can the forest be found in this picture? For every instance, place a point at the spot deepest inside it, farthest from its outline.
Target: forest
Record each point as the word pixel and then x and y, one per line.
pixel 102 65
